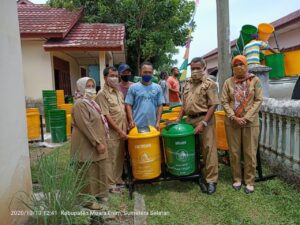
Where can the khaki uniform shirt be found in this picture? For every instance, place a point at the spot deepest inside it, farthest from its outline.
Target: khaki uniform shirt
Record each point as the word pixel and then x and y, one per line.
pixel 88 130
pixel 111 102
pixel 200 96
pixel 251 110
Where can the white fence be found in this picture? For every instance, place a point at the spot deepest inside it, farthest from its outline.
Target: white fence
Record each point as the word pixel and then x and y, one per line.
pixel 280 133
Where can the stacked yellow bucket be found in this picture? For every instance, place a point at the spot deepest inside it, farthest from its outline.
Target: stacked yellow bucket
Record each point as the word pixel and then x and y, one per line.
pixel 68 108
pixel 60 97
pixel 33 123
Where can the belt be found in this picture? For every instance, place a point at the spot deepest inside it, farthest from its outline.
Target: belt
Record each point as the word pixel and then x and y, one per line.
pixel 197 115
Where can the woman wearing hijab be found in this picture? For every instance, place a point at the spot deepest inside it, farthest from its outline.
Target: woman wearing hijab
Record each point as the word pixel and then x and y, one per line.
pixel 242 98
pixel 88 143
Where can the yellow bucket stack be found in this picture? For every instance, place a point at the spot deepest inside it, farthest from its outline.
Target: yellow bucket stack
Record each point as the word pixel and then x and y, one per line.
pixel 68 108
pixel 60 97
pixel 33 123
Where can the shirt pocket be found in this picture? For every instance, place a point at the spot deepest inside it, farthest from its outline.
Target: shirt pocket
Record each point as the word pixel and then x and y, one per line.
pixel 201 96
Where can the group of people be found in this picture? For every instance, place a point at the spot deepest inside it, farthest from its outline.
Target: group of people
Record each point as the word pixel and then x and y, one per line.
pixel 101 120
pixel 171 87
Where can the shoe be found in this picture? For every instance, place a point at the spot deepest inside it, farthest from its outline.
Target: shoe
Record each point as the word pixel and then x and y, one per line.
pixel 115 190
pixel 121 185
pixel 211 188
pixel 203 187
pixel 94 206
pixel 236 187
pixel 102 200
pixel 248 191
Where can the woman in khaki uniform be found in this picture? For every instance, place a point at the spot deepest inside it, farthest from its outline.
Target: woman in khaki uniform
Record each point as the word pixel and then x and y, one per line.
pixel 88 139
pixel 242 98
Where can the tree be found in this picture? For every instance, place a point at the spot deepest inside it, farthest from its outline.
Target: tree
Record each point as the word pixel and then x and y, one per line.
pixel 153 27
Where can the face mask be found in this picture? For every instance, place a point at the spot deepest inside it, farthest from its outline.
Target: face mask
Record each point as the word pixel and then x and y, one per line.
pixel 197 75
pixel 146 78
pixel 239 71
pixel 90 93
pixel 113 81
pixel 125 78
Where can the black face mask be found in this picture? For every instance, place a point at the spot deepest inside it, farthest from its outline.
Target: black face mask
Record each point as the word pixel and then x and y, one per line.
pixel 125 78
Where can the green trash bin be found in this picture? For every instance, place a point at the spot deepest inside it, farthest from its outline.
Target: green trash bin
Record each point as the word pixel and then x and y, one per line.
pixel 179 148
pixel 276 62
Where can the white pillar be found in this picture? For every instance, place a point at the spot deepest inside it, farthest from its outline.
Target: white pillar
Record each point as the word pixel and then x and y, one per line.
pixel 280 132
pixel 296 155
pixel 14 155
pixel 287 146
pixel 267 141
pixel 274 133
pixel 102 65
pixel 263 129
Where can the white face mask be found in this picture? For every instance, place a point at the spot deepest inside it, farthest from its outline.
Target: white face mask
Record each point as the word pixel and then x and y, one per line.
pixel 113 81
pixel 90 93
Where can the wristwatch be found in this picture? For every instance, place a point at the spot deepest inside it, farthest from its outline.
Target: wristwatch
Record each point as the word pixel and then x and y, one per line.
pixel 204 123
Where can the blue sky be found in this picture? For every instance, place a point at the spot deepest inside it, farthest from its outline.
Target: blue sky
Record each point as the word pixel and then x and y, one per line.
pixel 242 12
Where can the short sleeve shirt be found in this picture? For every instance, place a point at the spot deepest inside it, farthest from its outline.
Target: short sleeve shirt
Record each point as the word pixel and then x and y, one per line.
pixel 174 84
pixel 199 97
pixel 144 101
pixel 112 103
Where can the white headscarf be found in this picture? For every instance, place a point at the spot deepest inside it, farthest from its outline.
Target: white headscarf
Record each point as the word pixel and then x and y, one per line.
pixel 81 85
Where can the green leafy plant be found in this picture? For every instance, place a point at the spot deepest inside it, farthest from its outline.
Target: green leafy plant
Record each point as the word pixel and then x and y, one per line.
pixel 60 200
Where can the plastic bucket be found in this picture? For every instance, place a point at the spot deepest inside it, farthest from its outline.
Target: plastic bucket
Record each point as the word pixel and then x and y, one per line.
pixel 221 137
pixel 276 62
pixel 246 36
pixel 264 31
pixel 60 97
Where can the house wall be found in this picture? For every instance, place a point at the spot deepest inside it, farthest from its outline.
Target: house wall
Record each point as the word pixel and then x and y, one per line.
pixel 14 154
pixel 37 69
pixel 74 67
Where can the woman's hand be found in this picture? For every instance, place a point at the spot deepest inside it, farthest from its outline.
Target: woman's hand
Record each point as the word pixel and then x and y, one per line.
pixel 240 121
pixel 101 148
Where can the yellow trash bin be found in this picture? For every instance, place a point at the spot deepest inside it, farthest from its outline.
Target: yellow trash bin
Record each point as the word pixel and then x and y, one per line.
pixel 33 123
pixel 220 131
pixel 144 151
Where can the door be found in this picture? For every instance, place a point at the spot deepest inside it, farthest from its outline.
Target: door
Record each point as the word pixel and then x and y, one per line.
pixel 62 75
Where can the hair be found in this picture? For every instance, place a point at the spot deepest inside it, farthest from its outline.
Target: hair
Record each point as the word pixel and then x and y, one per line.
pixel 106 70
pixel 146 64
pixel 174 68
pixel 163 75
pixel 200 60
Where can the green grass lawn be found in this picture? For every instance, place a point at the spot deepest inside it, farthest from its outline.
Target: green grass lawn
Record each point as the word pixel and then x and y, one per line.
pixel 274 202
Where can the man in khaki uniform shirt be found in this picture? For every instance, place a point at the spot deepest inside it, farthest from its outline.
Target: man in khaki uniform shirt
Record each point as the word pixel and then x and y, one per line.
pixel 241 98
pixel 199 104
pixel 111 101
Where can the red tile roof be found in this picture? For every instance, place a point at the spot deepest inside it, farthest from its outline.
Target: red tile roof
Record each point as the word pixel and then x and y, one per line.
pixel 90 37
pixel 278 24
pixel 36 20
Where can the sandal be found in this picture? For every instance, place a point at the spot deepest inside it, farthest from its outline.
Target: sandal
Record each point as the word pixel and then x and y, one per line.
pixel 94 206
pixel 115 190
pixel 237 186
pixel 248 191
